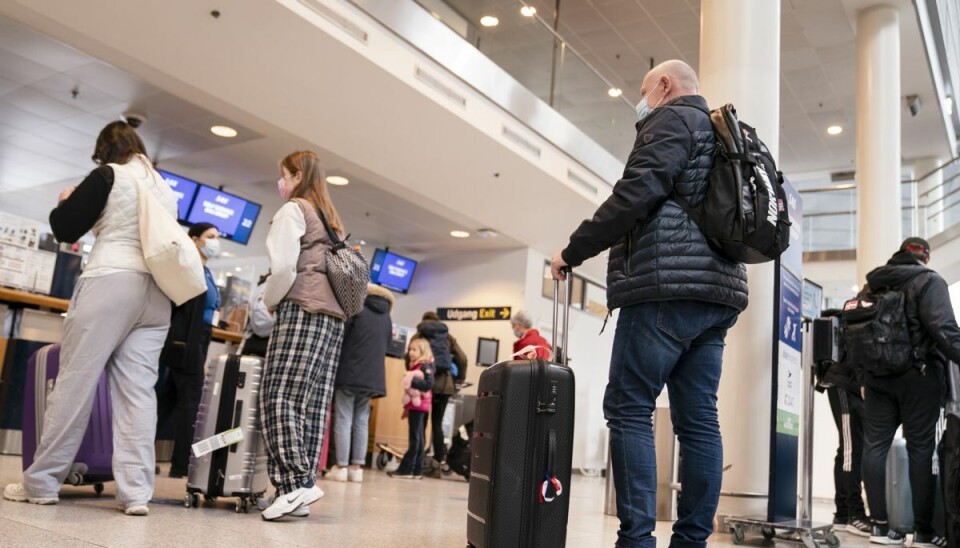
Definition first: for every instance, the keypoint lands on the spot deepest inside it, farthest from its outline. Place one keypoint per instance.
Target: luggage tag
(217, 441)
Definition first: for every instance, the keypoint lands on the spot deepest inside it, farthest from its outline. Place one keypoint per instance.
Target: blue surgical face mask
(643, 108)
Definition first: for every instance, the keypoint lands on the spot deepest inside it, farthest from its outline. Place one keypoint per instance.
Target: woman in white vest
(304, 348)
(118, 319)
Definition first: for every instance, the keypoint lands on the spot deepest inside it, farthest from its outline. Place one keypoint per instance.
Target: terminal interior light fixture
(489, 21)
(459, 233)
(337, 180)
(614, 92)
(835, 130)
(528, 11)
(223, 131)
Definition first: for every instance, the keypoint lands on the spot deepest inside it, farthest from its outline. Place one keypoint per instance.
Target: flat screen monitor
(812, 303)
(487, 351)
(392, 271)
(184, 188)
(232, 215)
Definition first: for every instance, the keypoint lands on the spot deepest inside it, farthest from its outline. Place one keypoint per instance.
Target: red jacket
(533, 338)
(424, 385)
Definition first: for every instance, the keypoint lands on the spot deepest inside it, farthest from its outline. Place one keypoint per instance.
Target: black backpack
(744, 215)
(875, 333)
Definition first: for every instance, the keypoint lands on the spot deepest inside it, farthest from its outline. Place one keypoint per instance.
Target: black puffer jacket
(932, 324)
(365, 345)
(657, 253)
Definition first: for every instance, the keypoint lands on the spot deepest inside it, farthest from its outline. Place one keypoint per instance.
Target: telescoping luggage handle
(560, 352)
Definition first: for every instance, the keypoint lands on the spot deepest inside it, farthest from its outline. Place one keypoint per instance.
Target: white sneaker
(264, 503)
(337, 474)
(356, 476)
(16, 493)
(284, 505)
(135, 510)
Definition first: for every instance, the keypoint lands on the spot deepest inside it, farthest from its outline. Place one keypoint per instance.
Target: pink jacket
(422, 382)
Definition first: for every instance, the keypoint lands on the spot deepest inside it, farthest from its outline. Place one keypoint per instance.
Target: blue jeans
(678, 344)
(352, 411)
(412, 462)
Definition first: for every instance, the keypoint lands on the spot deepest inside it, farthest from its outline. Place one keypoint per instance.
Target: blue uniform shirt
(213, 297)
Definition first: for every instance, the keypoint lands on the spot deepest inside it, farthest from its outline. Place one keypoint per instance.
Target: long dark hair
(118, 143)
(313, 185)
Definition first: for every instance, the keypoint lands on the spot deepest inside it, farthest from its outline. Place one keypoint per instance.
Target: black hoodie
(933, 327)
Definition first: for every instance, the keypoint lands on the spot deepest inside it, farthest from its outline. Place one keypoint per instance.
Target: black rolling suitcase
(522, 448)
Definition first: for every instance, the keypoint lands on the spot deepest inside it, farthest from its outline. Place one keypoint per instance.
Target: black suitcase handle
(560, 352)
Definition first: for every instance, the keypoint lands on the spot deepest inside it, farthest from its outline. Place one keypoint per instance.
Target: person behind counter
(185, 353)
(117, 321)
(304, 348)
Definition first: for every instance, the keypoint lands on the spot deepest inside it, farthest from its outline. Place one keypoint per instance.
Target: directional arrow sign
(475, 314)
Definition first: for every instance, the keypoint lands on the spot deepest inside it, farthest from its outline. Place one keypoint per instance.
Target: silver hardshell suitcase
(230, 401)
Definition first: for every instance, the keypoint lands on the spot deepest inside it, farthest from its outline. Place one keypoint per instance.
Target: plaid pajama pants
(298, 377)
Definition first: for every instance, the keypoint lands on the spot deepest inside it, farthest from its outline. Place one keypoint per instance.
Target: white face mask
(211, 248)
(643, 108)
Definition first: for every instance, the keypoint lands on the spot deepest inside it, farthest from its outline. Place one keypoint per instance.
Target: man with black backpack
(678, 297)
(901, 331)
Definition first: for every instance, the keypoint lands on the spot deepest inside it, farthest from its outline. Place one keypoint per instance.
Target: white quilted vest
(117, 247)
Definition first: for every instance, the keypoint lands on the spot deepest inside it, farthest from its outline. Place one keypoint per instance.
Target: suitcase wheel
(243, 506)
(191, 500)
(832, 540)
(98, 488)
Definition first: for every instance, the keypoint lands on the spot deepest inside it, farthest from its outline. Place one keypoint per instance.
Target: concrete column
(878, 137)
(740, 64)
(930, 196)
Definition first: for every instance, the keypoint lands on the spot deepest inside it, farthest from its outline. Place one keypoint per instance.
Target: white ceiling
(621, 38)
(47, 138)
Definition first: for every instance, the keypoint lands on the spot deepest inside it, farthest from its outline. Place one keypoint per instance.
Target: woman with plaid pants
(304, 348)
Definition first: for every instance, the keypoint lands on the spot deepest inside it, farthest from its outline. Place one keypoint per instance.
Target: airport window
(579, 285)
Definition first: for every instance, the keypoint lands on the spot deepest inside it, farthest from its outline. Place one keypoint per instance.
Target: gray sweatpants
(118, 322)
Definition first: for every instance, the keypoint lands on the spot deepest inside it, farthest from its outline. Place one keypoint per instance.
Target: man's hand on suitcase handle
(559, 268)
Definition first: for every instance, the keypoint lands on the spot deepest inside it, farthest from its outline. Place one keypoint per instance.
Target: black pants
(178, 400)
(848, 416)
(412, 462)
(437, 410)
(913, 400)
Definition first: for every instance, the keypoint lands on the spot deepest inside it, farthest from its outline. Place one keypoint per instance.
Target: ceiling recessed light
(223, 131)
(528, 11)
(459, 233)
(489, 21)
(226, 254)
(238, 269)
(948, 105)
(337, 180)
(834, 130)
(614, 92)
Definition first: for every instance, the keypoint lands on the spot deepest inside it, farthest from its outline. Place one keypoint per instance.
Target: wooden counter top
(15, 296)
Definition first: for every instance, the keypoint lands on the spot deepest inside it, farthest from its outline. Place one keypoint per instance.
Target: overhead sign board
(474, 314)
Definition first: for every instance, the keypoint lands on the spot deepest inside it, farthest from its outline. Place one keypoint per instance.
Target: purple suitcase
(93, 463)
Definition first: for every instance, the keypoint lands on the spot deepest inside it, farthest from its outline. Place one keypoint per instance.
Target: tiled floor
(380, 512)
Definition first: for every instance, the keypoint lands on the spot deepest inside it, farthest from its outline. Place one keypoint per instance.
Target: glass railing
(527, 49)
(930, 205)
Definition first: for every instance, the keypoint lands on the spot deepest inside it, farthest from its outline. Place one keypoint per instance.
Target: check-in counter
(30, 321)
(386, 424)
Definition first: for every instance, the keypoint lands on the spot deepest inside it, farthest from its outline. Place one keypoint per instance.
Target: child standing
(419, 377)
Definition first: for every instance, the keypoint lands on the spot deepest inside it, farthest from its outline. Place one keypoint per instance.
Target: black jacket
(365, 345)
(187, 340)
(657, 253)
(933, 327)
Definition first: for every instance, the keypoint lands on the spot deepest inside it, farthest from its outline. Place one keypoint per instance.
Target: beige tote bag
(170, 254)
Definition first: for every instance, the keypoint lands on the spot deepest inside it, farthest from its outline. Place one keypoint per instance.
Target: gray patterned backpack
(347, 271)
